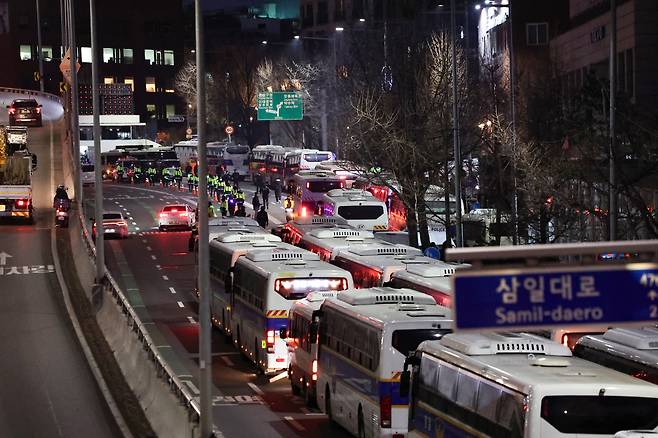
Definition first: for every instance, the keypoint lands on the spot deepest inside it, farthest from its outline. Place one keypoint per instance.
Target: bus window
(360, 212)
(323, 186)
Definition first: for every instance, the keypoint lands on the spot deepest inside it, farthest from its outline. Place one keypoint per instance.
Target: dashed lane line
(256, 389)
(180, 304)
(172, 290)
(148, 248)
(294, 423)
(153, 257)
(165, 278)
(191, 320)
(144, 240)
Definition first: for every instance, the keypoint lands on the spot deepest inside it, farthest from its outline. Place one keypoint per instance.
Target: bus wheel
(256, 355)
(308, 395)
(327, 404)
(362, 427)
(295, 389)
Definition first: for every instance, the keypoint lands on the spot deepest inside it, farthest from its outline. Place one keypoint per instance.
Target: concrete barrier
(168, 403)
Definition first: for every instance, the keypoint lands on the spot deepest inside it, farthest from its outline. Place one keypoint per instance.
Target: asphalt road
(47, 387)
(157, 271)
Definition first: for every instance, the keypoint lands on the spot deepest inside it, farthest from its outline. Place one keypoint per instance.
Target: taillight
(304, 212)
(12, 110)
(183, 214)
(22, 203)
(163, 214)
(269, 340)
(385, 406)
(262, 169)
(315, 369)
(565, 340)
(38, 110)
(308, 185)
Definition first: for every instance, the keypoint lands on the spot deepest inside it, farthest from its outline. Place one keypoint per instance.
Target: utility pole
(205, 358)
(512, 84)
(39, 47)
(455, 134)
(98, 165)
(75, 128)
(612, 215)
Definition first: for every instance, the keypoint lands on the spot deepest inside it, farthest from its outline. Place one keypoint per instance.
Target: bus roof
(311, 303)
(633, 344)
(246, 236)
(380, 305)
(433, 274)
(523, 362)
(306, 175)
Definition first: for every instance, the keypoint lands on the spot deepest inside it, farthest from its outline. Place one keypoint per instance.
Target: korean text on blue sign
(529, 299)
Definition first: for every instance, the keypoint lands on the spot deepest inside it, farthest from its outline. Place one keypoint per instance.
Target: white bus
(302, 342)
(631, 351)
(358, 207)
(343, 169)
(365, 336)
(225, 249)
(327, 242)
(372, 264)
(431, 278)
(308, 188)
(293, 231)
(517, 385)
(260, 159)
(308, 159)
(236, 159)
(266, 283)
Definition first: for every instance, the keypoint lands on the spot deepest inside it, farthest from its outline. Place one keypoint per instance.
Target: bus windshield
(439, 206)
(360, 212)
(237, 149)
(298, 288)
(407, 341)
(317, 157)
(586, 414)
(323, 186)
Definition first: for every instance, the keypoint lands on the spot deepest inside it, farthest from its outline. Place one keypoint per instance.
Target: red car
(25, 112)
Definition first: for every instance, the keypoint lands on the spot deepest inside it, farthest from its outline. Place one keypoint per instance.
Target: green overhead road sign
(280, 106)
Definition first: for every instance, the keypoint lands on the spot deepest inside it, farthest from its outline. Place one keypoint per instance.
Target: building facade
(139, 44)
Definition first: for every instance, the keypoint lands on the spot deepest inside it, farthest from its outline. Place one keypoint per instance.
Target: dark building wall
(122, 24)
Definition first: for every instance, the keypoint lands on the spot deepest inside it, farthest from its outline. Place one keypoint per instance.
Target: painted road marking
(180, 304)
(120, 205)
(227, 361)
(3, 258)
(144, 240)
(165, 278)
(26, 270)
(153, 257)
(256, 389)
(137, 228)
(158, 267)
(191, 320)
(172, 290)
(134, 223)
(192, 387)
(279, 376)
(236, 400)
(148, 248)
(294, 423)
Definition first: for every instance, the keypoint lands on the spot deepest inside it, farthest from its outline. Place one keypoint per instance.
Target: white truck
(15, 181)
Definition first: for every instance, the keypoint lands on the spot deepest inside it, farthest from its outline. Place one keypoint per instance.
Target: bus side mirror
(283, 333)
(405, 378)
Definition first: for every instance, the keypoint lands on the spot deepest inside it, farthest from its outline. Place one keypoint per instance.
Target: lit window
(25, 52)
(537, 34)
(108, 55)
(150, 109)
(170, 110)
(85, 53)
(108, 80)
(127, 56)
(131, 82)
(168, 57)
(149, 56)
(47, 53)
(150, 84)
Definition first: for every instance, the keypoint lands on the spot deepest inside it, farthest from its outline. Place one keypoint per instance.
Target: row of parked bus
(363, 328)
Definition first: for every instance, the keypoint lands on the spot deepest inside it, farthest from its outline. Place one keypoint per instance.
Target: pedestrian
(444, 246)
(266, 197)
(277, 190)
(236, 177)
(241, 212)
(223, 206)
(231, 206)
(432, 251)
(258, 182)
(262, 217)
(255, 202)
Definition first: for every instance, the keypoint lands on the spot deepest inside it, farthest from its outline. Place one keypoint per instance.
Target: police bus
(293, 231)
(631, 351)
(327, 242)
(260, 159)
(365, 337)
(225, 249)
(372, 264)
(358, 207)
(236, 159)
(302, 342)
(266, 283)
(308, 188)
(431, 278)
(518, 385)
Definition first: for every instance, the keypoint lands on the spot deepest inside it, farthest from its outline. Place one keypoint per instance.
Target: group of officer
(166, 176)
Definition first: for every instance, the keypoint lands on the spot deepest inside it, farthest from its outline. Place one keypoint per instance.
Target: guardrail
(32, 93)
(176, 386)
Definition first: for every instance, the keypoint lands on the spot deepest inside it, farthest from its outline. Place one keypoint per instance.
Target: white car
(114, 224)
(87, 174)
(176, 216)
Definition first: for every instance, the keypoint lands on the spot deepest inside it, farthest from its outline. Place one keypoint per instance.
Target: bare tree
(185, 85)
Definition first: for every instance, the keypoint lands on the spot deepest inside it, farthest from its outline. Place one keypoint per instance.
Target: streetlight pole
(98, 165)
(75, 128)
(455, 127)
(205, 358)
(512, 84)
(612, 215)
(39, 47)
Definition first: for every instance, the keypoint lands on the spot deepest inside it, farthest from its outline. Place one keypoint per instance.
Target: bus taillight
(315, 370)
(385, 406)
(269, 341)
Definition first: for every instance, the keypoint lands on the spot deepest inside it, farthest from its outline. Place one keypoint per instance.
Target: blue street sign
(559, 296)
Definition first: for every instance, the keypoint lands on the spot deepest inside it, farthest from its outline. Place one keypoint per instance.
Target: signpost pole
(98, 165)
(39, 46)
(75, 121)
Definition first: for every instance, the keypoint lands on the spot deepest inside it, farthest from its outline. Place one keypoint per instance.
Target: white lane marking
(137, 228)
(227, 361)
(256, 389)
(116, 202)
(294, 423)
(165, 278)
(144, 240)
(148, 248)
(172, 290)
(279, 376)
(134, 223)
(158, 267)
(316, 414)
(125, 209)
(180, 304)
(191, 320)
(153, 257)
(120, 205)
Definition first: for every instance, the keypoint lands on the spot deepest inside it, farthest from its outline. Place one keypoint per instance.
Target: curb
(100, 381)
